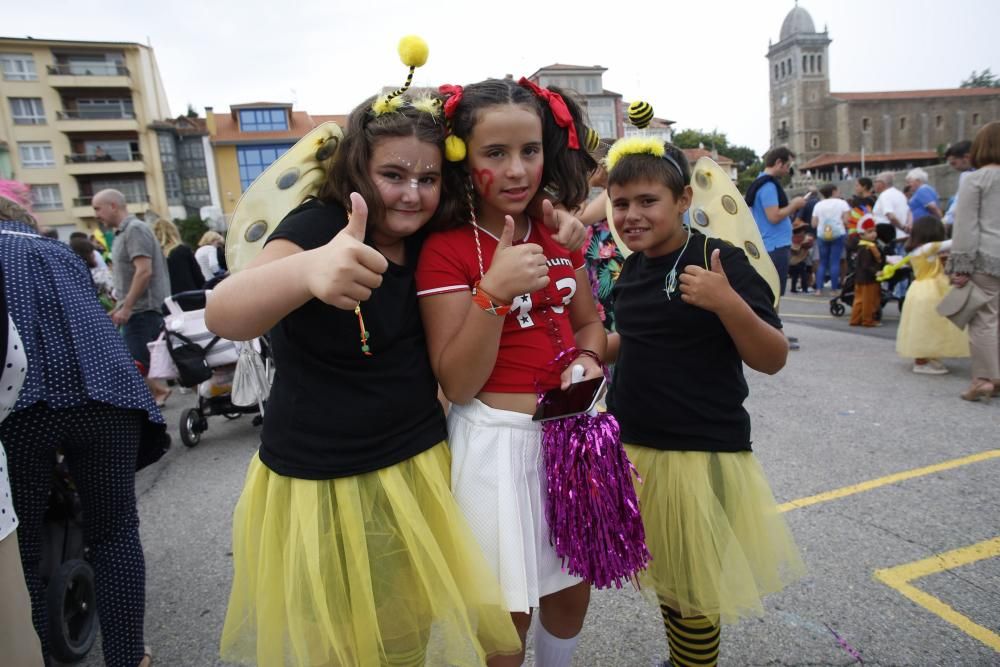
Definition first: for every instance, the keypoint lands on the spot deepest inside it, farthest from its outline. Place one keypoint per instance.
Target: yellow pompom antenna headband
(413, 52)
(639, 114)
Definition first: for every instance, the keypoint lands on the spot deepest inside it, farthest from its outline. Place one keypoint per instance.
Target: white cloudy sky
(700, 63)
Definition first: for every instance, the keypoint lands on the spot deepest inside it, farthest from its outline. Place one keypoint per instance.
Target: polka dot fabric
(74, 352)
(100, 443)
(11, 379)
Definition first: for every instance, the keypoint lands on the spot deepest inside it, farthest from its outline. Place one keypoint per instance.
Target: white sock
(550, 651)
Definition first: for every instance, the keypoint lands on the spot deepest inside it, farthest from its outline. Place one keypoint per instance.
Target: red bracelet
(489, 303)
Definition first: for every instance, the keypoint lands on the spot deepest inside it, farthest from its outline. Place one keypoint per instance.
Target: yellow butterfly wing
(285, 184)
(718, 210)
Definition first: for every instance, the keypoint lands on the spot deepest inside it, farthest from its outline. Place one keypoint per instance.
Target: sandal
(147, 658)
(979, 390)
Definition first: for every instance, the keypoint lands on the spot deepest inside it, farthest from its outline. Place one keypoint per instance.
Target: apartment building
(251, 136)
(77, 117)
(603, 107)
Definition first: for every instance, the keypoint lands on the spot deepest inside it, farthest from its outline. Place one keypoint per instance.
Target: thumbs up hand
(708, 289)
(345, 271)
(515, 269)
(569, 231)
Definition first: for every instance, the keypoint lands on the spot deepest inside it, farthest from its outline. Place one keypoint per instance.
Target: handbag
(961, 304)
(190, 358)
(161, 365)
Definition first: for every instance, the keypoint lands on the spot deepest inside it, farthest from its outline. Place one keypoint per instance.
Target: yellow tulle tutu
(375, 569)
(712, 526)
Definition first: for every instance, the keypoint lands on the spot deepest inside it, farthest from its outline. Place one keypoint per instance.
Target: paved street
(844, 412)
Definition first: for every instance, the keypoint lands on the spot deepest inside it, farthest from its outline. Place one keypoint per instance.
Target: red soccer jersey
(535, 322)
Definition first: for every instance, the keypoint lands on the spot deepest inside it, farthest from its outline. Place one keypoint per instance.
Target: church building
(892, 130)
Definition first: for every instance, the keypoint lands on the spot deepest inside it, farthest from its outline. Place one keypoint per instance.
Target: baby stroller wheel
(72, 608)
(191, 427)
(837, 308)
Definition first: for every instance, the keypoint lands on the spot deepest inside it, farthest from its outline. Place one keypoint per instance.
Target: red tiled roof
(692, 154)
(843, 159)
(340, 120)
(918, 94)
(250, 105)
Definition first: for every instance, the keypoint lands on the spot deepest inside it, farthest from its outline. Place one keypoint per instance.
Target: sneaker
(932, 367)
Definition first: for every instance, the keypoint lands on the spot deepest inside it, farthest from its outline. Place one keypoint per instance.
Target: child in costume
(867, 263)
(923, 334)
(348, 546)
(507, 308)
(691, 311)
(798, 259)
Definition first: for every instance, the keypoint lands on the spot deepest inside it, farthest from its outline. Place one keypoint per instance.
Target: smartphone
(577, 399)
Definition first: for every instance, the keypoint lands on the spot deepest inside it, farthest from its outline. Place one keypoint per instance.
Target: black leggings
(100, 444)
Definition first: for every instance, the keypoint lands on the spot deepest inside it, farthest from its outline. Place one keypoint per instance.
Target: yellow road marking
(901, 576)
(888, 479)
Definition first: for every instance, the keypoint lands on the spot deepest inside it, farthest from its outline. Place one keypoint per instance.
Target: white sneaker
(932, 367)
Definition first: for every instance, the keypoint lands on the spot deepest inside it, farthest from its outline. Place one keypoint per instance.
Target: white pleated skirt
(498, 479)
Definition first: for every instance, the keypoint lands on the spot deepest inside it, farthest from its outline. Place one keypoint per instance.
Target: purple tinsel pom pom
(592, 509)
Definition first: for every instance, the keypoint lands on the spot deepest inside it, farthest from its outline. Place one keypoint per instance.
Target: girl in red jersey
(501, 300)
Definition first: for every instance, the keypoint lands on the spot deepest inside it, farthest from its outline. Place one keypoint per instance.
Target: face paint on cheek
(484, 178)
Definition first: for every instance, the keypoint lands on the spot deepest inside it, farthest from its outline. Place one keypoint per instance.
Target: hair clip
(454, 146)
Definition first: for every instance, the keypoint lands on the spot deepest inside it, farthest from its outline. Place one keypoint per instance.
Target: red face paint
(484, 178)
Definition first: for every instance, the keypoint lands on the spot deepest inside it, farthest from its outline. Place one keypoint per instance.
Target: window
(263, 120)
(46, 197)
(18, 67)
(133, 189)
(593, 85)
(866, 124)
(109, 107)
(36, 154)
(902, 123)
(775, 72)
(111, 148)
(191, 149)
(819, 63)
(253, 160)
(782, 69)
(195, 185)
(805, 63)
(975, 119)
(812, 62)
(168, 157)
(815, 141)
(173, 183)
(938, 122)
(27, 110)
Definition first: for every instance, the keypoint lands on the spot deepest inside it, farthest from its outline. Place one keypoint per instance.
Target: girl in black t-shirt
(348, 546)
(690, 312)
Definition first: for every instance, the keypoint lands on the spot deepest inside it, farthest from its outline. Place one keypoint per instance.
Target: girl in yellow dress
(923, 334)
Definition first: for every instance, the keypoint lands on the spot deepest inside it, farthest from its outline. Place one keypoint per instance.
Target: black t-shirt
(334, 412)
(678, 383)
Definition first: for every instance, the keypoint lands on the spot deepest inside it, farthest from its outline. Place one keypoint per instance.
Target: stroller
(887, 288)
(70, 591)
(208, 362)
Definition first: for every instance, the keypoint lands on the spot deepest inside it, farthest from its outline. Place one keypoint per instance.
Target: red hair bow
(559, 110)
(454, 94)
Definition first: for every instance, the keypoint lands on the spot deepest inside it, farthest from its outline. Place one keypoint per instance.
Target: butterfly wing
(718, 211)
(285, 184)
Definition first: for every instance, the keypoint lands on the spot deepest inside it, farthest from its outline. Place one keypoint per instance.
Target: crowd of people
(819, 239)
(449, 271)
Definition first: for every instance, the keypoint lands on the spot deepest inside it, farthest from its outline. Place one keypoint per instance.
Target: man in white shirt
(891, 207)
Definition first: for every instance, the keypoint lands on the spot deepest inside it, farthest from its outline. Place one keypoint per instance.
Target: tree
(717, 141)
(191, 112)
(984, 79)
(191, 229)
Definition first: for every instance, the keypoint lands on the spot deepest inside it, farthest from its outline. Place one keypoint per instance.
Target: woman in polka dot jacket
(82, 395)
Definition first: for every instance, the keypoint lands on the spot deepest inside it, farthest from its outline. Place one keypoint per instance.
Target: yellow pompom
(634, 146)
(386, 104)
(640, 113)
(454, 148)
(413, 51)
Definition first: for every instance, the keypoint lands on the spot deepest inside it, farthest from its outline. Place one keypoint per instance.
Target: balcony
(134, 203)
(90, 75)
(96, 121)
(79, 164)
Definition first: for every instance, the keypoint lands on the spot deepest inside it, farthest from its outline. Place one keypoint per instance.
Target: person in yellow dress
(924, 335)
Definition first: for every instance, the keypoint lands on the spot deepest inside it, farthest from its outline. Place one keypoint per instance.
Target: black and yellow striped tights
(694, 641)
